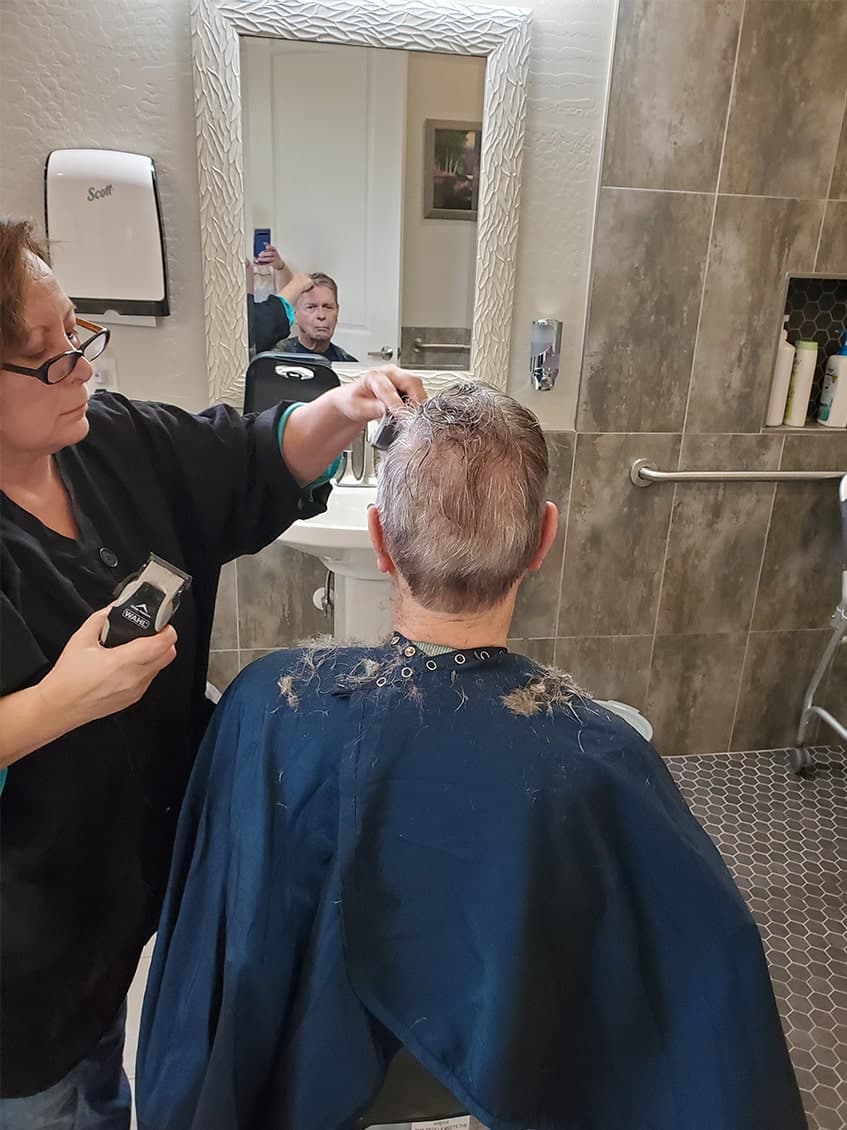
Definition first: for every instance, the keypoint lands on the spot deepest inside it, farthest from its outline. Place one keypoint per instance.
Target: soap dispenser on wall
(545, 351)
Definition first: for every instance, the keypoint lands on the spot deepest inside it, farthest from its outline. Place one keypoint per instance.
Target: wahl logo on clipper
(138, 614)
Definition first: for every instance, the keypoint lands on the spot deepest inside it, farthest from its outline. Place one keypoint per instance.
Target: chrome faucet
(358, 467)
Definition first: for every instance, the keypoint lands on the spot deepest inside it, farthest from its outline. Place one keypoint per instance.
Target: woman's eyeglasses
(61, 366)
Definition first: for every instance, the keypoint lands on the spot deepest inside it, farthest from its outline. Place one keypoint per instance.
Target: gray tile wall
(734, 111)
(755, 243)
(838, 188)
(706, 606)
(670, 85)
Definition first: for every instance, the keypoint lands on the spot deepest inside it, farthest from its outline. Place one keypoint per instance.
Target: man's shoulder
(342, 354)
(546, 702)
(290, 674)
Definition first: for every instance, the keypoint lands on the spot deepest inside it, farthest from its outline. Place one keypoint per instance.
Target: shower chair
(801, 760)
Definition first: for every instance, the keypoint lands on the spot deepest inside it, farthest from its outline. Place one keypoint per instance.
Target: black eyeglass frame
(41, 372)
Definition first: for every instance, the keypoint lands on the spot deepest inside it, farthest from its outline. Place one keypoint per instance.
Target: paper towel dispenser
(104, 226)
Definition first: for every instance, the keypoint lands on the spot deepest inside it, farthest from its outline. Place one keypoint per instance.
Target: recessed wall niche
(817, 311)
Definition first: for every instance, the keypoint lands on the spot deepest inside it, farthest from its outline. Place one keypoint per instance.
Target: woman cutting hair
(98, 741)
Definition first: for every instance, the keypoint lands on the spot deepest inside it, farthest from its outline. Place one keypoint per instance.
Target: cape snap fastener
(381, 681)
(484, 655)
(409, 651)
(460, 659)
(108, 558)
(431, 664)
(407, 672)
(395, 639)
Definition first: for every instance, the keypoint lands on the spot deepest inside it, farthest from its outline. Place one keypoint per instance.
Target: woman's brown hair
(16, 239)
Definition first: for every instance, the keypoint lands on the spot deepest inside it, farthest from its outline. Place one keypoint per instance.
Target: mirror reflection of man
(270, 320)
(316, 311)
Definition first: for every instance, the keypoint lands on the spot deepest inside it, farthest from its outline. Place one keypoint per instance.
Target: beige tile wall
(705, 605)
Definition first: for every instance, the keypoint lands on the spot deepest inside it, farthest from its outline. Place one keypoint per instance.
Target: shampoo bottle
(833, 406)
(800, 388)
(781, 377)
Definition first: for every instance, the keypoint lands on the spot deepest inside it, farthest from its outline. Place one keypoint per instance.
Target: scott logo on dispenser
(106, 239)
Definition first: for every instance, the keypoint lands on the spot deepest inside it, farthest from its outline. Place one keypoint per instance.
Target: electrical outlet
(105, 376)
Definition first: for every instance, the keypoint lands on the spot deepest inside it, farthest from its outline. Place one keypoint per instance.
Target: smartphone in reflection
(261, 238)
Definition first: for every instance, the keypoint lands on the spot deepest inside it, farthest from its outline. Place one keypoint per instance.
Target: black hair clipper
(385, 430)
(145, 602)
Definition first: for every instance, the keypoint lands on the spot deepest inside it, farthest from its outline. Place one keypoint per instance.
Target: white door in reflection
(324, 153)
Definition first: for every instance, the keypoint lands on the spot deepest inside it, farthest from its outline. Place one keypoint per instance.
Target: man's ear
(549, 526)
(383, 561)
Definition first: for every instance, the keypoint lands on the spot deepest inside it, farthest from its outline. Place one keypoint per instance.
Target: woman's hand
(87, 681)
(319, 431)
(90, 681)
(378, 392)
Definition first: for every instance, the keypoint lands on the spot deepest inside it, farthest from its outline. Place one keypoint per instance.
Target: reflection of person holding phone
(271, 320)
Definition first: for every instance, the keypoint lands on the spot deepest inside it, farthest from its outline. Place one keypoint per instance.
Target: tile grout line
(565, 542)
(820, 233)
(739, 632)
(699, 320)
(715, 195)
(709, 192)
(776, 430)
(790, 631)
(598, 191)
(607, 636)
(829, 189)
(755, 602)
(712, 223)
(661, 591)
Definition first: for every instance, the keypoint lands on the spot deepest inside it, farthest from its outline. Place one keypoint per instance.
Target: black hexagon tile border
(785, 842)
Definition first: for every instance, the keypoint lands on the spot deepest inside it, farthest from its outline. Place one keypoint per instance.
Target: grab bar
(643, 473)
(420, 344)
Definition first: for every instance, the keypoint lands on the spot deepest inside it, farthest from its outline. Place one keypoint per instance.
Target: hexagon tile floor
(785, 842)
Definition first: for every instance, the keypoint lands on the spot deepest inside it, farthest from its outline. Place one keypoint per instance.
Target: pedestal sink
(339, 538)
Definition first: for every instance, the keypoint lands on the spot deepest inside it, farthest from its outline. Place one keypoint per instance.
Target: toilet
(629, 714)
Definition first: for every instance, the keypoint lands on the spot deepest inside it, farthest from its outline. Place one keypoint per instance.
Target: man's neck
(458, 630)
(312, 345)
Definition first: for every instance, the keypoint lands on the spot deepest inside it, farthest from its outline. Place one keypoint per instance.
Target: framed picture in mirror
(451, 169)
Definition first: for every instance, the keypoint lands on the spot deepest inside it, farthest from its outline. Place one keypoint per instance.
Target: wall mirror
(378, 143)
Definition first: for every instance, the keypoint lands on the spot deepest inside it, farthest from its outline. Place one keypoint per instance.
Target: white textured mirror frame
(500, 34)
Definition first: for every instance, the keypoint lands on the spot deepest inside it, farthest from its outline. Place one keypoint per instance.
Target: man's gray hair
(461, 495)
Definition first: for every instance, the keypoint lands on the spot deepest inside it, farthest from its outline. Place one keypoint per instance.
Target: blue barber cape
(380, 848)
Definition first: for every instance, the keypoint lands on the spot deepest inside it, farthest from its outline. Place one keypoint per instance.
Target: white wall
(119, 75)
(115, 75)
(438, 255)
